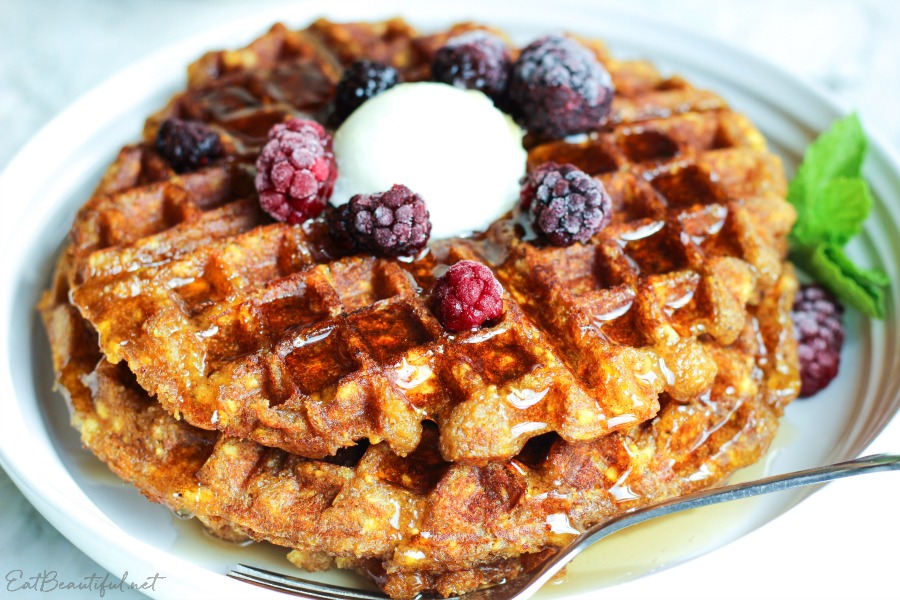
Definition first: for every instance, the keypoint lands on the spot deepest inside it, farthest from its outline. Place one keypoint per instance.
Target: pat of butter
(451, 146)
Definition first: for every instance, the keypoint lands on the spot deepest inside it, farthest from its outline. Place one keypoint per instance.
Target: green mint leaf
(832, 201)
(836, 153)
(836, 214)
(863, 289)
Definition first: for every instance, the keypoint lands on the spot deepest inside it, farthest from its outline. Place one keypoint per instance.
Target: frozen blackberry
(566, 204)
(557, 87)
(295, 171)
(476, 60)
(392, 223)
(338, 220)
(820, 334)
(362, 80)
(466, 296)
(187, 145)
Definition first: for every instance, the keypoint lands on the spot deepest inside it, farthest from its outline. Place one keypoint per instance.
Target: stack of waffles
(246, 372)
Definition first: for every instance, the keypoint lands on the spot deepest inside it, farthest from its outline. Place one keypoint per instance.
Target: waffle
(232, 326)
(300, 396)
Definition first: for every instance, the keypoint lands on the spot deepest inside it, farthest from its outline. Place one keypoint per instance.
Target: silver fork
(527, 585)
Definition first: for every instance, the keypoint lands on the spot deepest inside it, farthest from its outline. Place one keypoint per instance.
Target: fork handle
(777, 483)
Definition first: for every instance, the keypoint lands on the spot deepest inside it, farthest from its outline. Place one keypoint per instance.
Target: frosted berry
(392, 223)
(466, 296)
(820, 334)
(362, 80)
(187, 145)
(558, 87)
(476, 60)
(295, 171)
(566, 204)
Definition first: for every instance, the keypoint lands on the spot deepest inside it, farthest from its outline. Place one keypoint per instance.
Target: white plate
(42, 188)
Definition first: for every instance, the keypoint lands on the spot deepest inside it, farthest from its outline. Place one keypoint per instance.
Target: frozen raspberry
(466, 296)
(558, 87)
(392, 223)
(820, 334)
(566, 204)
(187, 145)
(295, 171)
(476, 60)
(362, 80)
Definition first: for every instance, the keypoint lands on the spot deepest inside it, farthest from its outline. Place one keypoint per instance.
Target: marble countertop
(53, 51)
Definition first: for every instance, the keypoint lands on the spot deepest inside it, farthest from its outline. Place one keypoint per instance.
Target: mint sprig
(832, 201)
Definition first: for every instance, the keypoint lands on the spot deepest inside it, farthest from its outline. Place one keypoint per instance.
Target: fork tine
(271, 585)
(295, 584)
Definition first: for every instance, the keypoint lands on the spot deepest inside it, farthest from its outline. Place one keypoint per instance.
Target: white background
(51, 52)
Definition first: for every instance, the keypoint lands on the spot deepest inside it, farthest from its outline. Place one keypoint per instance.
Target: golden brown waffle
(654, 360)
(241, 335)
